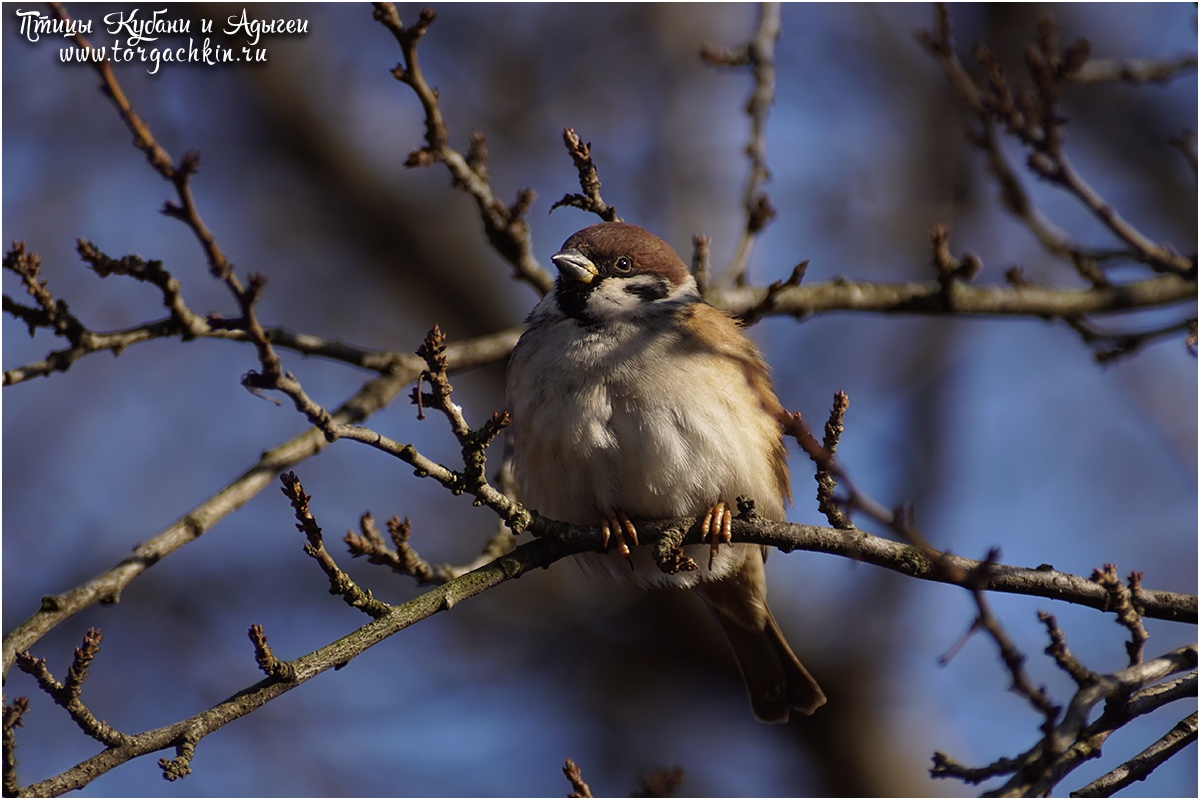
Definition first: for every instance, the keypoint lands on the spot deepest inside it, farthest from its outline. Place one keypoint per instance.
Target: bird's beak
(575, 266)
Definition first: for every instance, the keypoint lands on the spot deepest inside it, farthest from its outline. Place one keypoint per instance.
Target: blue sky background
(1001, 432)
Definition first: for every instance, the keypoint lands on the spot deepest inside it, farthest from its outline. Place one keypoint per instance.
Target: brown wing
(715, 330)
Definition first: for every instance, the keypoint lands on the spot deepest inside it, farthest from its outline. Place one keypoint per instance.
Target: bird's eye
(623, 264)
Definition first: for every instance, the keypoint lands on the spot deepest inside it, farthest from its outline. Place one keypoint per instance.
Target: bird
(631, 398)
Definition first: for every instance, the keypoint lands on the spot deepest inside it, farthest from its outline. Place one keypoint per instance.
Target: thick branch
(906, 559)
(558, 540)
(1145, 762)
(931, 298)
(964, 299)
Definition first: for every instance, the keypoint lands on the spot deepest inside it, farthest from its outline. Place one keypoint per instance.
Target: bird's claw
(618, 527)
(716, 528)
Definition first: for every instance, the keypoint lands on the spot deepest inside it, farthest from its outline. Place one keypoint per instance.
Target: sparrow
(630, 397)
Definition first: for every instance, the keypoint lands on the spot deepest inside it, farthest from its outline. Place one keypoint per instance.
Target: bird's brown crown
(607, 241)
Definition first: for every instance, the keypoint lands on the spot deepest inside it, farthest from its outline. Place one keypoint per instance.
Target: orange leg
(717, 528)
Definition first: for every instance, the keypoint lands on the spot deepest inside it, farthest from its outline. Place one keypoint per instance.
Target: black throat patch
(572, 299)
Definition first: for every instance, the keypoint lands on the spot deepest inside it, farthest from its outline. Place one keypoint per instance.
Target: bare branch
(266, 660)
(1069, 741)
(589, 181)
(1056, 168)
(759, 55)
(1010, 655)
(1110, 347)
(1145, 762)
(857, 544)
(183, 322)
(67, 694)
(557, 540)
(1073, 741)
(767, 304)
(339, 582)
(14, 713)
(826, 480)
(1062, 654)
(1124, 603)
(375, 394)
(581, 789)
(474, 443)
(1133, 70)
(1035, 118)
(505, 226)
(184, 735)
(403, 559)
(968, 299)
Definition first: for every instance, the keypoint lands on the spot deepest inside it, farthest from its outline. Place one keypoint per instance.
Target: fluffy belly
(600, 453)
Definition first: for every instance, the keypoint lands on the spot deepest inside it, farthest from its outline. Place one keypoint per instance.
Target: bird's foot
(716, 528)
(618, 527)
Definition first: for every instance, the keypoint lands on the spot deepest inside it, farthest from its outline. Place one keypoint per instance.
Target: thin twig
(401, 558)
(14, 714)
(67, 694)
(826, 480)
(1061, 653)
(589, 180)
(266, 660)
(182, 322)
(1129, 693)
(505, 225)
(339, 582)
(1035, 118)
(1074, 741)
(372, 396)
(580, 789)
(474, 443)
(759, 55)
(1123, 603)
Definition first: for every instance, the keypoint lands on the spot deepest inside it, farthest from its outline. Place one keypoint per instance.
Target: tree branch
(589, 181)
(1145, 762)
(505, 226)
(188, 732)
(557, 540)
(759, 55)
(1134, 70)
(374, 395)
(965, 299)
(1034, 117)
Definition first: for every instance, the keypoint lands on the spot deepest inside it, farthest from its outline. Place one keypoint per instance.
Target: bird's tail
(775, 679)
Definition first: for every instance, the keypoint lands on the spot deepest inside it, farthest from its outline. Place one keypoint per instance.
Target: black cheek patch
(649, 290)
